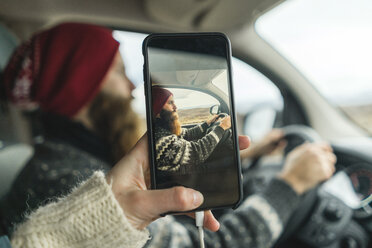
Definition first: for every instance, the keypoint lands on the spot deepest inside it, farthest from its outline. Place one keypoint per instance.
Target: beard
(170, 121)
(115, 121)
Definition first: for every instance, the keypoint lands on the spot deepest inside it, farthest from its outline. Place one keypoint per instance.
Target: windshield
(330, 43)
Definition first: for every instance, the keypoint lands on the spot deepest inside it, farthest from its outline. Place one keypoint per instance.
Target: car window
(257, 99)
(131, 52)
(192, 105)
(330, 43)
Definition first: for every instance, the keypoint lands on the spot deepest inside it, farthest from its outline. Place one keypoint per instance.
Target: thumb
(173, 199)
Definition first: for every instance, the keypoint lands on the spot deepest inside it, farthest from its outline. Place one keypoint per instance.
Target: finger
(141, 145)
(176, 199)
(329, 170)
(276, 134)
(328, 166)
(140, 152)
(282, 144)
(332, 158)
(331, 162)
(333, 167)
(244, 142)
(325, 146)
(210, 222)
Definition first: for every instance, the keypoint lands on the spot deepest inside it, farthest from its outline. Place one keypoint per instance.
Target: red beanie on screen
(60, 69)
(159, 97)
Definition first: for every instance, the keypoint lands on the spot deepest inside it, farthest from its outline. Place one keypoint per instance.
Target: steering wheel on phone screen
(226, 135)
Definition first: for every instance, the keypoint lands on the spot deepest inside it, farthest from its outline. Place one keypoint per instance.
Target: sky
(329, 41)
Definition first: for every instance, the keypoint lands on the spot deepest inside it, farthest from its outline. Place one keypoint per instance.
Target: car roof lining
(155, 15)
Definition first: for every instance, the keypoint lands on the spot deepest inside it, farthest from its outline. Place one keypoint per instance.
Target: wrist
(121, 198)
(115, 189)
(297, 185)
(224, 127)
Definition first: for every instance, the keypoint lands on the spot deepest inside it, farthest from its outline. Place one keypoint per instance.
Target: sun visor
(206, 15)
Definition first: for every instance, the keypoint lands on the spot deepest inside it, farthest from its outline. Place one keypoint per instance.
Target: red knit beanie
(159, 97)
(60, 69)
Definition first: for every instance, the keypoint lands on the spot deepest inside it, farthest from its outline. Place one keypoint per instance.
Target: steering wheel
(226, 135)
(296, 135)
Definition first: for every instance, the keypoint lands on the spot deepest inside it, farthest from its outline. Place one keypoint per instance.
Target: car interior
(271, 90)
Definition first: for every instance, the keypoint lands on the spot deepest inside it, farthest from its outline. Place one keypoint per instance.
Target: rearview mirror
(259, 122)
(215, 109)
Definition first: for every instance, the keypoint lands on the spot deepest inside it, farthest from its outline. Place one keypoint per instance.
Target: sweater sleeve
(194, 133)
(172, 152)
(88, 217)
(258, 222)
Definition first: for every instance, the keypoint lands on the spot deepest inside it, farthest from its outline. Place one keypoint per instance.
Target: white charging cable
(199, 220)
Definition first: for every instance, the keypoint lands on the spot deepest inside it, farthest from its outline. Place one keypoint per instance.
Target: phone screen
(191, 116)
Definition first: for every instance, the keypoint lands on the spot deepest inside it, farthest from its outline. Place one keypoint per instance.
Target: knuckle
(334, 158)
(180, 197)
(327, 171)
(310, 151)
(306, 148)
(313, 151)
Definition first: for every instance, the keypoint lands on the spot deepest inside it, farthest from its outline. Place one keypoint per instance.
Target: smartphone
(190, 116)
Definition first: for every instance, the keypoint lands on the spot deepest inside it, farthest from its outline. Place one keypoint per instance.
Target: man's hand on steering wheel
(212, 119)
(225, 123)
(308, 165)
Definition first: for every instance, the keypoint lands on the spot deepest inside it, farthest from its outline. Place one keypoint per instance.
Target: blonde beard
(176, 125)
(169, 120)
(115, 121)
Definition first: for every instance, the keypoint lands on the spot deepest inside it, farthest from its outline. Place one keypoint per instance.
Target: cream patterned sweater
(88, 217)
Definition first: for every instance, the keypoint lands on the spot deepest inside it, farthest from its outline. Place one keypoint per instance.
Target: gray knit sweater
(89, 216)
(258, 222)
(183, 153)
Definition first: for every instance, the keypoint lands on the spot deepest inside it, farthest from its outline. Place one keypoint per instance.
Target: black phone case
(148, 97)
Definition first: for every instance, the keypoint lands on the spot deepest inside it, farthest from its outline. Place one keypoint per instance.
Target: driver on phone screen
(178, 149)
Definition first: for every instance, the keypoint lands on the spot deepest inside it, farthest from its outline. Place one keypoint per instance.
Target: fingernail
(198, 198)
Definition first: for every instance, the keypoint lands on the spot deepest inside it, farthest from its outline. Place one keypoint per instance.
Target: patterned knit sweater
(257, 223)
(190, 149)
